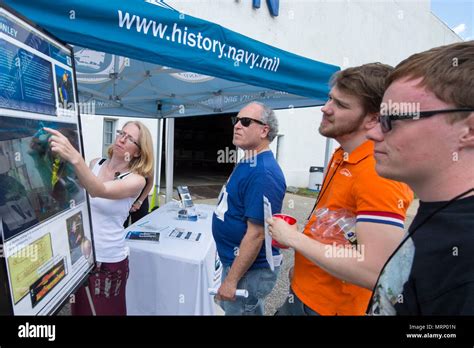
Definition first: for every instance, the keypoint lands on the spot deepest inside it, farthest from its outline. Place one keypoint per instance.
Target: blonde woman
(113, 185)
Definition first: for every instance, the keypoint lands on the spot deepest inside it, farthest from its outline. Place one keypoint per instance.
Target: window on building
(109, 135)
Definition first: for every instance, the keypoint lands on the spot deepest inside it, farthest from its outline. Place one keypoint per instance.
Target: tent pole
(327, 152)
(159, 159)
(169, 158)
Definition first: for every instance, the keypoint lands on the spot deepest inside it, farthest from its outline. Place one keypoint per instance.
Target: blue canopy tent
(163, 46)
(126, 87)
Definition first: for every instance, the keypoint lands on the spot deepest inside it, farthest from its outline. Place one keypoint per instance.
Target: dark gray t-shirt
(432, 273)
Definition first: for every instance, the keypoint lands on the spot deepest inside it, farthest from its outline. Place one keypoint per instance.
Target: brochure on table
(44, 212)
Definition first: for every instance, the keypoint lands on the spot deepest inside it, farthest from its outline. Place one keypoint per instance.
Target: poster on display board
(45, 229)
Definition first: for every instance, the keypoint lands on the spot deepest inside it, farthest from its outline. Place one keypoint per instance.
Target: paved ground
(297, 206)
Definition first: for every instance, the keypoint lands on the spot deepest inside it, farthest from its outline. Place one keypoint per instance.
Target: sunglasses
(128, 137)
(245, 121)
(386, 120)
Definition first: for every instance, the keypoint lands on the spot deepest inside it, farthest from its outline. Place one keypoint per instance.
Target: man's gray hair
(269, 118)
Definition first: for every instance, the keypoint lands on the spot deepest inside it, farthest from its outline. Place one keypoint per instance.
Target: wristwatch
(139, 201)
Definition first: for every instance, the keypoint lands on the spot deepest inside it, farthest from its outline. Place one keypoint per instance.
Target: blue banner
(142, 30)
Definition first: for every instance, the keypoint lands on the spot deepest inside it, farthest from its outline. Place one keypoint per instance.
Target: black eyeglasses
(128, 137)
(245, 121)
(386, 120)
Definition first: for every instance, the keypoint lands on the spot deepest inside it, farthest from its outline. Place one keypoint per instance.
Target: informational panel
(44, 214)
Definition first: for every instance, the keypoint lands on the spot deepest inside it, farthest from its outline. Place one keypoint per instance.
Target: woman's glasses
(128, 137)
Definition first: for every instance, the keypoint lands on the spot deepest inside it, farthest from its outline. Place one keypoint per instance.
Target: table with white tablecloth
(172, 277)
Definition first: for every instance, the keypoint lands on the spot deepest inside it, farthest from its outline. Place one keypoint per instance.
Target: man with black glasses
(431, 148)
(238, 222)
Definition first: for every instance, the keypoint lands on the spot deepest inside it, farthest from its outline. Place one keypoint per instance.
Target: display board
(45, 228)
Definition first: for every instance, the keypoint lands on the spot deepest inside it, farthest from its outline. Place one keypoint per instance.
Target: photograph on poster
(40, 288)
(75, 232)
(64, 88)
(86, 248)
(35, 183)
(24, 263)
(16, 210)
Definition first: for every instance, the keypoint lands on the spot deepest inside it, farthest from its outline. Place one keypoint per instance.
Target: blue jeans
(259, 283)
(294, 306)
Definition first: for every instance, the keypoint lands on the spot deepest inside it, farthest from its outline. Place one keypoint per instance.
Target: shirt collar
(361, 152)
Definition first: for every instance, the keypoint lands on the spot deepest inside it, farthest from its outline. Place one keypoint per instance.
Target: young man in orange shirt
(333, 273)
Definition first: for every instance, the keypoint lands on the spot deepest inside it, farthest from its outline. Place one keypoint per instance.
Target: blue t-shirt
(241, 199)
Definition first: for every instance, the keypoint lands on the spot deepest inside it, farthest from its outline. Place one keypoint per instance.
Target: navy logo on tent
(91, 62)
(191, 77)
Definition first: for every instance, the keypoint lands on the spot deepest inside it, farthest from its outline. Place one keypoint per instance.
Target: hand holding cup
(280, 227)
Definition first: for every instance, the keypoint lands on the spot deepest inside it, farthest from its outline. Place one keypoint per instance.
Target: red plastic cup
(288, 219)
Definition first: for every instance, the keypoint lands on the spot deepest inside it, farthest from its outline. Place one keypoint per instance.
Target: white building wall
(340, 32)
(301, 146)
(92, 136)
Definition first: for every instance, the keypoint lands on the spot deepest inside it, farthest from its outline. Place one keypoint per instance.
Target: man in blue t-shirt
(238, 222)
